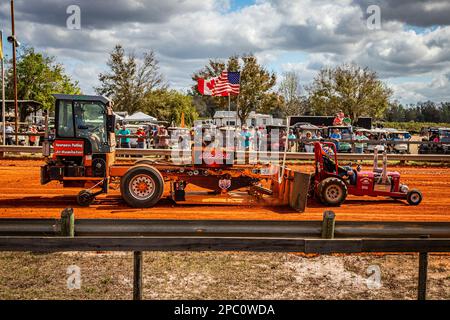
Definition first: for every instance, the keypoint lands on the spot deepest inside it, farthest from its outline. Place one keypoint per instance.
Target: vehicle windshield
(444, 135)
(398, 136)
(90, 123)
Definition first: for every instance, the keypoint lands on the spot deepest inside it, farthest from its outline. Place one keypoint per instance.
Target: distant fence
(249, 236)
(260, 155)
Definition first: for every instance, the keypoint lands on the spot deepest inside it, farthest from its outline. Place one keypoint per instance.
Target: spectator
(359, 147)
(283, 140)
(141, 137)
(124, 140)
(309, 146)
(9, 130)
(246, 137)
(292, 140)
(163, 138)
(339, 119)
(32, 139)
(336, 136)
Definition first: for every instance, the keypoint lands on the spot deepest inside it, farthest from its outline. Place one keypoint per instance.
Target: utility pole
(14, 47)
(3, 90)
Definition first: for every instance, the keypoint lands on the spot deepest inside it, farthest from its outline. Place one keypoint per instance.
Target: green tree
(290, 89)
(128, 82)
(256, 85)
(38, 77)
(350, 88)
(169, 105)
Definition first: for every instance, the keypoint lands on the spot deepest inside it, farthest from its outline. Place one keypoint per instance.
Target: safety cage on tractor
(332, 183)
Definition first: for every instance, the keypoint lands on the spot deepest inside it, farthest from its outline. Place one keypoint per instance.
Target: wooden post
(328, 224)
(67, 223)
(137, 275)
(423, 274)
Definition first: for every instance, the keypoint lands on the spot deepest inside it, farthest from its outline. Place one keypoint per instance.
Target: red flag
(206, 86)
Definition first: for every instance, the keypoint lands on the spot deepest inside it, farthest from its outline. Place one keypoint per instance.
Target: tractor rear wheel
(142, 186)
(414, 197)
(332, 191)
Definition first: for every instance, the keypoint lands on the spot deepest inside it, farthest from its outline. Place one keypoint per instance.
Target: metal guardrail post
(328, 225)
(137, 275)
(67, 223)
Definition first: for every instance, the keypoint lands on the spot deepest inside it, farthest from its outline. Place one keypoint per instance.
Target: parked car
(441, 135)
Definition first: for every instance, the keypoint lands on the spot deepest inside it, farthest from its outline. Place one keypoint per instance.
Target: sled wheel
(85, 198)
(142, 186)
(332, 191)
(414, 197)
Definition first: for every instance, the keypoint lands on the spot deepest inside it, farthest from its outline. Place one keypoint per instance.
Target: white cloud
(185, 34)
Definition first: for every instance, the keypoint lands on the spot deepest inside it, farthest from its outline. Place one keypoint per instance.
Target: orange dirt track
(21, 196)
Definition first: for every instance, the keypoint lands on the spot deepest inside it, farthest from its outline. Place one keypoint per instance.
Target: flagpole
(3, 91)
(229, 104)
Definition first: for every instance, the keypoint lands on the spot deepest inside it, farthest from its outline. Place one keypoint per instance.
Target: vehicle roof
(81, 98)
(393, 130)
(340, 127)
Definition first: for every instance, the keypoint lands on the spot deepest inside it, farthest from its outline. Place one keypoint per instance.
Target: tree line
(135, 83)
(428, 111)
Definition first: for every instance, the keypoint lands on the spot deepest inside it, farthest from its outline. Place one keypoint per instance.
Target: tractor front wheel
(332, 191)
(414, 197)
(142, 186)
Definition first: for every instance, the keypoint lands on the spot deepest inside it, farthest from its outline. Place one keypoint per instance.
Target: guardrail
(251, 236)
(223, 228)
(244, 154)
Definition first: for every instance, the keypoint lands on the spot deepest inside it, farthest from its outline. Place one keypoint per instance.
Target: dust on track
(22, 196)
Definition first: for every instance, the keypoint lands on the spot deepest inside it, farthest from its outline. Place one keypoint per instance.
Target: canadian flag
(206, 86)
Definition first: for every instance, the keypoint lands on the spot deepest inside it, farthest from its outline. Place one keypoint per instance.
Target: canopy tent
(118, 117)
(140, 117)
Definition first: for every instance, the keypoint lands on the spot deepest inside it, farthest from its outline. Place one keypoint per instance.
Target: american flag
(228, 83)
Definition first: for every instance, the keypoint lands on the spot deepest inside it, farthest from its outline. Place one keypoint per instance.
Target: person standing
(245, 136)
(292, 140)
(124, 139)
(336, 136)
(309, 146)
(141, 138)
(32, 139)
(9, 130)
(163, 138)
(359, 146)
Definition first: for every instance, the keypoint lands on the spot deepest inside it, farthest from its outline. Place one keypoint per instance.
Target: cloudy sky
(410, 50)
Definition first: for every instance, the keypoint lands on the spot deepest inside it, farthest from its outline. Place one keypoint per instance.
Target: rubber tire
(325, 184)
(410, 194)
(85, 198)
(154, 174)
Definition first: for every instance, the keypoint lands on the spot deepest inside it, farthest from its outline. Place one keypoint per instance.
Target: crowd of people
(32, 135)
(246, 138)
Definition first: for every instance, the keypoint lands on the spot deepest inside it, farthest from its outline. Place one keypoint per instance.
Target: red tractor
(332, 183)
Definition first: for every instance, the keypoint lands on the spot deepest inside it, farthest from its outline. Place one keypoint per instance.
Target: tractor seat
(330, 166)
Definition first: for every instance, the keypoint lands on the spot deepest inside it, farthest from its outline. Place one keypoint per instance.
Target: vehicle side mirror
(111, 123)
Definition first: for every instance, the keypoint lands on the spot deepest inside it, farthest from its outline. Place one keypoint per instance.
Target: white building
(228, 118)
